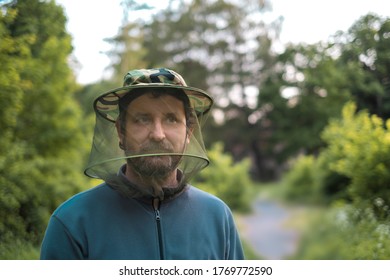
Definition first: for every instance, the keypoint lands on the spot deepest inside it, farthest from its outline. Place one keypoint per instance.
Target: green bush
(345, 233)
(311, 181)
(355, 165)
(359, 149)
(19, 250)
(301, 181)
(228, 180)
(43, 143)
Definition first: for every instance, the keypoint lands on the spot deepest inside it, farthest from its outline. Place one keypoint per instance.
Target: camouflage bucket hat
(107, 104)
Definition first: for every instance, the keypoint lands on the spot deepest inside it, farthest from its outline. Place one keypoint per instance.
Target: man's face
(154, 125)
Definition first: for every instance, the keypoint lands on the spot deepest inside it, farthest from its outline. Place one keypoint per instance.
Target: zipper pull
(156, 207)
(157, 213)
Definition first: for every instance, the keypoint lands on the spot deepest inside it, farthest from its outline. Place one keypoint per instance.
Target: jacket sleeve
(58, 243)
(235, 250)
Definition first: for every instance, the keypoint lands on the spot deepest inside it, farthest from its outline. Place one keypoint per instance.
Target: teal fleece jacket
(102, 224)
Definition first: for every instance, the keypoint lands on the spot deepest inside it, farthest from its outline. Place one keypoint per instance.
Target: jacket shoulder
(88, 199)
(206, 199)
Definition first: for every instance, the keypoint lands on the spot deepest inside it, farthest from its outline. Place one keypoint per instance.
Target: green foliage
(310, 180)
(42, 147)
(322, 77)
(365, 50)
(88, 93)
(303, 181)
(345, 233)
(359, 148)
(228, 180)
(19, 250)
(305, 90)
(354, 166)
(128, 52)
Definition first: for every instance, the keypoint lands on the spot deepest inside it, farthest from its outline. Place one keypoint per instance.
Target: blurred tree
(310, 84)
(86, 94)
(13, 51)
(128, 52)
(306, 88)
(42, 144)
(365, 52)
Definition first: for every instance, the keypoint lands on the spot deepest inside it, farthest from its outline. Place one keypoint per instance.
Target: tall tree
(310, 84)
(128, 51)
(365, 48)
(306, 88)
(42, 152)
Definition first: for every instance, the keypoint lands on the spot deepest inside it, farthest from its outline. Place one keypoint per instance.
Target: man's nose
(157, 132)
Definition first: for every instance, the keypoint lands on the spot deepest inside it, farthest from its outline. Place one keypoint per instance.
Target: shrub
(355, 165)
(359, 149)
(301, 181)
(228, 180)
(18, 250)
(346, 233)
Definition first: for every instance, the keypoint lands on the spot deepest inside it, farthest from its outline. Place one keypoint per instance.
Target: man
(147, 145)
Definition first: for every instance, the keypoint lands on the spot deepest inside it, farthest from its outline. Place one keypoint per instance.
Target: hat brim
(106, 105)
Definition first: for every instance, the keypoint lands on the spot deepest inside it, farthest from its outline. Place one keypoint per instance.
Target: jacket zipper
(156, 207)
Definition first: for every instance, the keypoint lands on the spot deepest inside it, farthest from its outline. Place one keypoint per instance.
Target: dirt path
(266, 231)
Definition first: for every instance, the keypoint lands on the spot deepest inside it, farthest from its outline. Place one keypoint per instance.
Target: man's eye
(142, 119)
(171, 119)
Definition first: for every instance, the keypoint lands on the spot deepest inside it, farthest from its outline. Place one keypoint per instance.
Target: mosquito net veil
(150, 127)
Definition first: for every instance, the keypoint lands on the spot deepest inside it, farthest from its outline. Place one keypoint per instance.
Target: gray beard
(153, 168)
(155, 171)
